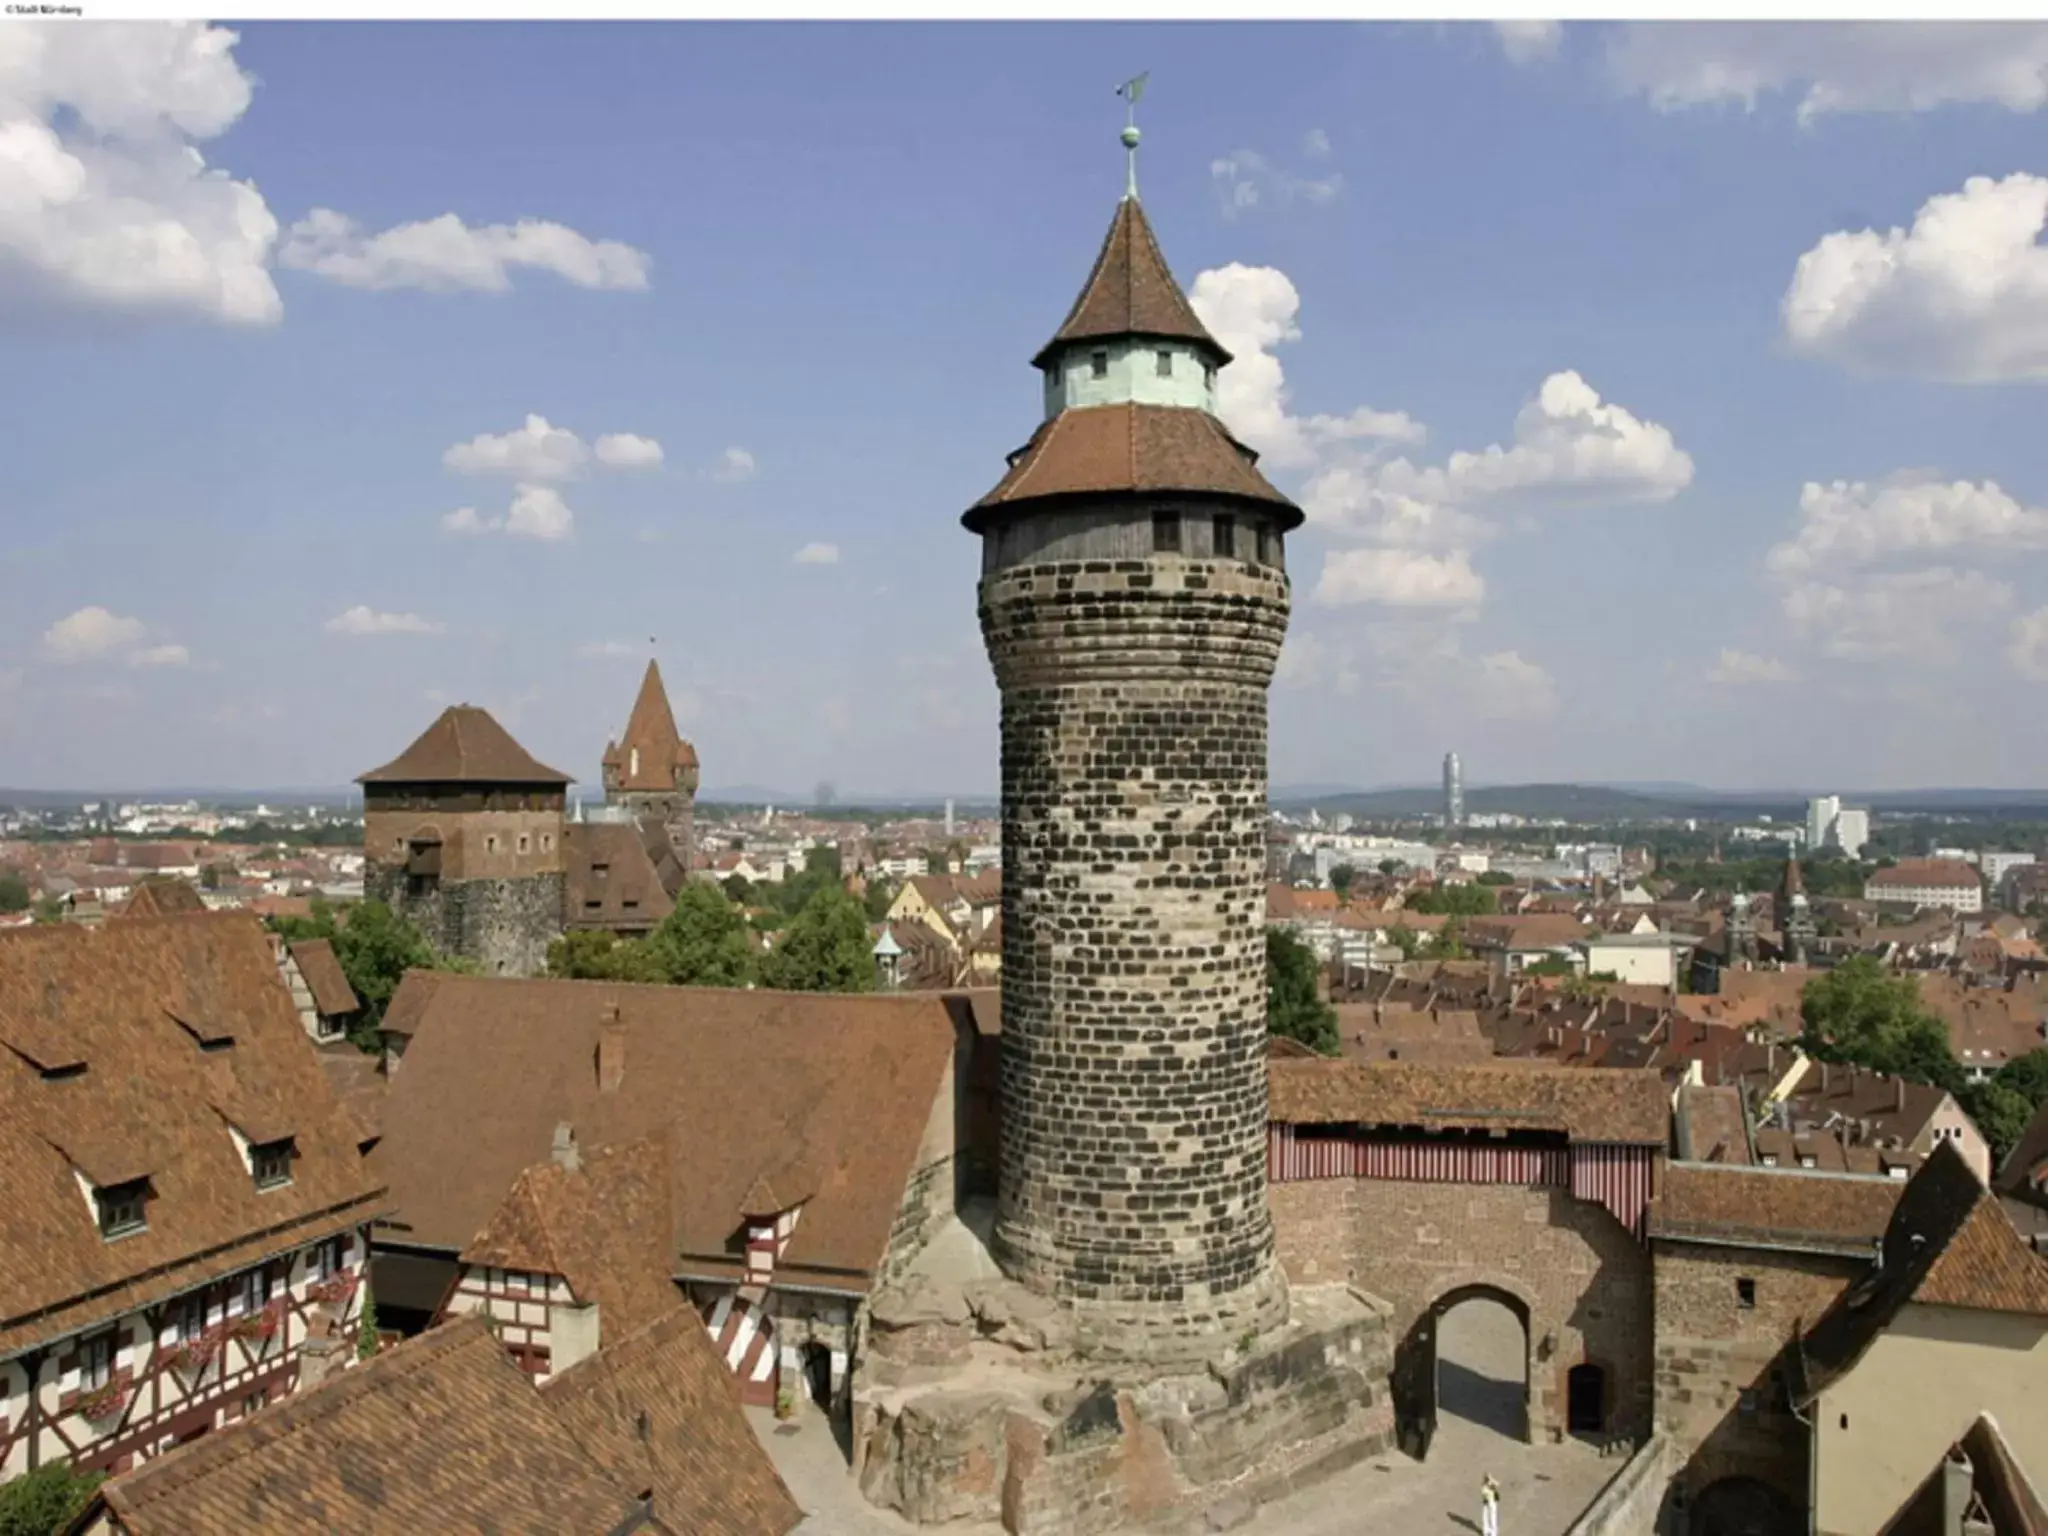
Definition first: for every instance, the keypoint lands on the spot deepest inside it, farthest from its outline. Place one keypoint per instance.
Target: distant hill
(1573, 802)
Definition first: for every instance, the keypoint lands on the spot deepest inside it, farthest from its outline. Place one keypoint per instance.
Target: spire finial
(1131, 91)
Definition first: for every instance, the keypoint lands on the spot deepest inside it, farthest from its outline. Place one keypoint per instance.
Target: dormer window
(1164, 361)
(270, 1163)
(1098, 364)
(122, 1208)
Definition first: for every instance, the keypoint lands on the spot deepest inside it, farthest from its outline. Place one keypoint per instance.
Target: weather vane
(1131, 91)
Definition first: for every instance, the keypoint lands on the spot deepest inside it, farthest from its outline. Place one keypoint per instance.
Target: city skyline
(1654, 469)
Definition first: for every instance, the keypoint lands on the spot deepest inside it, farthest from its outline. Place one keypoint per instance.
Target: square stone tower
(463, 833)
(1133, 600)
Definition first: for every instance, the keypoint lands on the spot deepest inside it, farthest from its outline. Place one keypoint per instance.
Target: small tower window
(524, 841)
(1099, 364)
(1166, 533)
(1165, 362)
(1224, 536)
(490, 844)
(1209, 377)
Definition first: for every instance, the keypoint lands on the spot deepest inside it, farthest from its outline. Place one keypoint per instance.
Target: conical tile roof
(652, 729)
(1131, 292)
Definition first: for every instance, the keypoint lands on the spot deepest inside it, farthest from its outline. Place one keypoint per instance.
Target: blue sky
(811, 264)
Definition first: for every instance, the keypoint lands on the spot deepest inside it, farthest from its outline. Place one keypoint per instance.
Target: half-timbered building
(326, 1004)
(813, 1142)
(183, 1203)
(442, 1433)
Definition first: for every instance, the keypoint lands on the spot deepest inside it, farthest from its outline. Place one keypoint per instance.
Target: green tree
(880, 897)
(1293, 1006)
(825, 948)
(1390, 866)
(366, 1327)
(591, 954)
(209, 877)
(1342, 877)
(49, 910)
(1493, 877)
(1550, 965)
(703, 941)
(1860, 1012)
(2027, 1076)
(1405, 939)
(2001, 1113)
(1449, 943)
(376, 947)
(1455, 900)
(737, 890)
(15, 895)
(45, 1501)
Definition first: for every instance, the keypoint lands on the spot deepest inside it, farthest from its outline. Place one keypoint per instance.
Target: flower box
(261, 1326)
(194, 1355)
(334, 1291)
(103, 1403)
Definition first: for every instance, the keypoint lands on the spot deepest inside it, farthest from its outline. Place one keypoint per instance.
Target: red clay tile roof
(325, 979)
(1774, 1207)
(360, 1084)
(1605, 1105)
(408, 1004)
(603, 1227)
(1925, 872)
(1130, 292)
(160, 896)
(440, 1433)
(652, 729)
(628, 895)
(1949, 1243)
(1112, 449)
(465, 746)
(815, 1091)
(105, 1069)
(697, 1455)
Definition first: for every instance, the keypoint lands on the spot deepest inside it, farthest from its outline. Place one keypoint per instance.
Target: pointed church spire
(652, 750)
(1130, 292)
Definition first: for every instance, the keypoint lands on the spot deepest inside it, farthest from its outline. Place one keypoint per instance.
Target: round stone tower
(1133, 599)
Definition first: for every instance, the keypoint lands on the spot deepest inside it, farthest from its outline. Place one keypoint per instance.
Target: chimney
(565, 1153)
(611, 1050)
(1823, 1077)
(1899, 1094)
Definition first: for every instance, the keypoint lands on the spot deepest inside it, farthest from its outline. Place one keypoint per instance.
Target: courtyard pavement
(1543, 1488)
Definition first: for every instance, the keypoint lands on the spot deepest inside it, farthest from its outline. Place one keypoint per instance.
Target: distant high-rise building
(1454, 791)
(1830, 824)
(1852, 831)
(1821, 812)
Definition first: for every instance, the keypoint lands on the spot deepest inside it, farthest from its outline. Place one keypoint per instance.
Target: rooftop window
(1098, 364)
(1164, 362)
(271, 1163)
(121, 1208)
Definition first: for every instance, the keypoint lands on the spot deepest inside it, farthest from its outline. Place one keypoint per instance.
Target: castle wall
(503, 925)
(1584, 1281)
(1133, 1068)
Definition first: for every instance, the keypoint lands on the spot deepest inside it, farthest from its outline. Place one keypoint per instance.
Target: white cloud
(622, 450)
(1316, 144)
(734, 465)
(1961, 296)
(1251, 310)
(1524, 42)
(1245, 179)
(1568, 441)
(467, 520)
(817, 554)
(446, 255)
(364, 620)
(1834, 67)
(538, 512)
(105, 198)
(2028, 649)
(1737, 669)
(535, 451)
(608, 650)
(1847, 524)
(1906, 615)
(160, 656)
(91, 634)
(1399, 578)
(1506, 685)
(1309, 661)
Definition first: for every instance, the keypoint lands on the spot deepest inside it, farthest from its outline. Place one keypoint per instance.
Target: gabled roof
(440, 1433)
(1949, 1244)
(1615, 1105)
(325, 979)
(126, 1052)
(821, 1093)
(630, 893)
(159, 896)
(1831, 1213)
(658, 1411)
(1130, 292)
(652, 729)
(465, 745)
(1103, 450)
(602, 1226)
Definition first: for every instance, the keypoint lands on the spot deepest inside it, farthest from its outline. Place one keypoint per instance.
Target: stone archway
(1742, 1506)
(1419, 1384)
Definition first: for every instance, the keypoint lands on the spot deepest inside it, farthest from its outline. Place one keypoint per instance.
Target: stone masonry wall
(1584, 1281)
(1134, 823)
(503, 925)
(1721, 1399)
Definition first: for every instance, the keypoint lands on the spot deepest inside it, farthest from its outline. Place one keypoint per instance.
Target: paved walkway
(1543, 1488)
